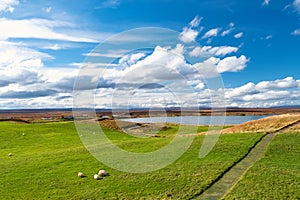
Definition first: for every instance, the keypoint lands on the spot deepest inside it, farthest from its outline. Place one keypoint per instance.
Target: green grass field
(276, 176)
(47, 158)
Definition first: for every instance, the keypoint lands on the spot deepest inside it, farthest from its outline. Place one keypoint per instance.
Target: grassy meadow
(276, 175)
(47, 157)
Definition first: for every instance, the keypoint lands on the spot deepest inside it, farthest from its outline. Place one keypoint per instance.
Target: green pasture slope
(47, 158)
(276, 175)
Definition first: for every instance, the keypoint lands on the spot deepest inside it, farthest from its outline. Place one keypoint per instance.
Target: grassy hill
(269, 124)
(47, 157)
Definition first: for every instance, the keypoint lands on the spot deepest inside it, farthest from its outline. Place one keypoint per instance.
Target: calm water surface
(197, 120)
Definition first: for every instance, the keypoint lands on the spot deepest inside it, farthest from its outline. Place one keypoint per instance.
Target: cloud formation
(265, 91)
(213, 51)
(8, 5)
(38, 29)
(296, 32)
(239, 35)
(109, 4)
(146, 79)
(47, 9)
(145, 73)
(211, 33)
(254, 95)
(189, 34)
(229, 30)
(195, 22)
(232, 64)
(286, 83)
(296, 4)
(20, 64)
(266, 2)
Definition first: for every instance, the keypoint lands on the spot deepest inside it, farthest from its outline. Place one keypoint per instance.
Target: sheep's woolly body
(80, 174)
(102, 173)
(96, 177)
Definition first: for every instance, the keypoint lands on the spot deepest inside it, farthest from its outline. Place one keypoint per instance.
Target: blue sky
(253, 45)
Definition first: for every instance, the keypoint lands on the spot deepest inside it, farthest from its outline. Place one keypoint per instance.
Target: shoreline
(47, 114)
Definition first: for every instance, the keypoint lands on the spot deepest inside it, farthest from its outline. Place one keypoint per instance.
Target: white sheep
(80, 174)
(10, 154)
(102, 172)
(96, 177)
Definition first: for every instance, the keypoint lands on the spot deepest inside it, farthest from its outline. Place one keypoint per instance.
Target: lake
(198, 120)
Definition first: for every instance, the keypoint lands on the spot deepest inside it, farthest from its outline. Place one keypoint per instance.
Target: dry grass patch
(294, 129)
(269, 124)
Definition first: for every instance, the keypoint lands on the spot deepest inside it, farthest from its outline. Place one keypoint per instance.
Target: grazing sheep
(102, 172)
(96, 177)
(23, 134)
(10, 154)
(80, 174)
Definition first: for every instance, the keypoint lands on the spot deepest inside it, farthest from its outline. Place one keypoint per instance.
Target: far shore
(45, 115)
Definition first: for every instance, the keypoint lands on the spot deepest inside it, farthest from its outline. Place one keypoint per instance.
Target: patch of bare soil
(135, 129)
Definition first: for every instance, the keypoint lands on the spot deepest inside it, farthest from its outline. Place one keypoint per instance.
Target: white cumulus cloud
(241, 91)
(288, 82)
(265, 93)
(19, 64)
(268, 95)
(150, 69)
(188, 35)
(129, 60)
(232, 64)
(8, 5)
(208, 68)
(13, 55)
